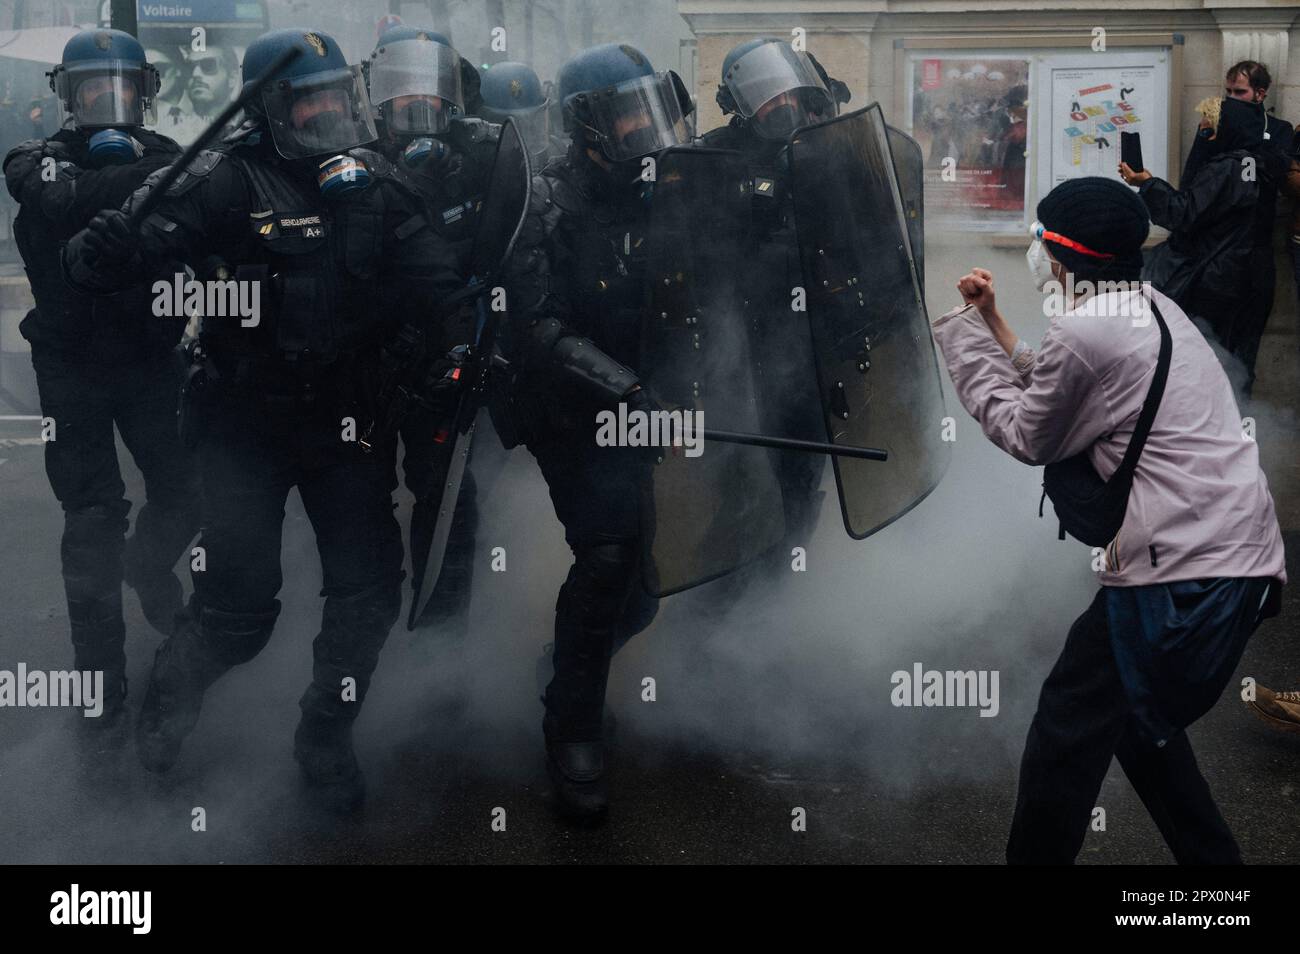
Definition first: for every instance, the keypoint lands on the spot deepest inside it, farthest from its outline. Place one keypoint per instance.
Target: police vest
(317, 263)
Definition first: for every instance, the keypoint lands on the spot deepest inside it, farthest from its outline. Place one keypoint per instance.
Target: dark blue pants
(1084, 718)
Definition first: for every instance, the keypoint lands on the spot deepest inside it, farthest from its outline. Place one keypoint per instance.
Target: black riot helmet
(614, 101)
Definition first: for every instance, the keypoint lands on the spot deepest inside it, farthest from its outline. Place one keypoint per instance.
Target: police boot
(344, 656)
(206, 644)
(588, 612)
(161, 536)
(98, 635)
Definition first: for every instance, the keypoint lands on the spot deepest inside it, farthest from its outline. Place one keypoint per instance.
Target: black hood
(1241, 126)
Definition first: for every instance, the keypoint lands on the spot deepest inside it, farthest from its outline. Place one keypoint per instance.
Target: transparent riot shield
(876, 365)
(702, 516)
(909, 166)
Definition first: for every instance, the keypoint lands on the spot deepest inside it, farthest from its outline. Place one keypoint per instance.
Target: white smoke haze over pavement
(794, 676)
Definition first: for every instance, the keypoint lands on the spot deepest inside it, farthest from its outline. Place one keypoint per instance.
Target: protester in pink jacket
(1197, 561)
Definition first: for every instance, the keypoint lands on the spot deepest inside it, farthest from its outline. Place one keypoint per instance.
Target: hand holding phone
(1130, 150)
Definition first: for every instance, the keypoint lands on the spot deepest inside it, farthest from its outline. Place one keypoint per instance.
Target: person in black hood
(1249, 81)
(1204, 265)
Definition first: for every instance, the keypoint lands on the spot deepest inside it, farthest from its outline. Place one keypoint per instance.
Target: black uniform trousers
(596, 493)
(85, 400)
(253, 449)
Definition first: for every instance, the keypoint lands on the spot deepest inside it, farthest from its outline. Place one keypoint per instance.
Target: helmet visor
(103, 93)
(637, 117)
(417, 85)
(766, 72)
(534, 124)
(786, 112)
(320, 113)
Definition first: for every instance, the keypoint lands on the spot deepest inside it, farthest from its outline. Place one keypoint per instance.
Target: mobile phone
(1130, 150)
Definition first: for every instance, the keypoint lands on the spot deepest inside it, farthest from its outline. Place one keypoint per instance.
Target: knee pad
(360, 619)
(601, 579)
(642, 608)
(234, 638)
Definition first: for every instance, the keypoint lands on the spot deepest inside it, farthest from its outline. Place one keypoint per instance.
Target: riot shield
(876, 364)
(505, 204)
(702, 516)
(909, 166)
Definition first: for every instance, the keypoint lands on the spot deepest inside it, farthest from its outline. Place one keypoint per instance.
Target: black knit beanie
(1101, 214)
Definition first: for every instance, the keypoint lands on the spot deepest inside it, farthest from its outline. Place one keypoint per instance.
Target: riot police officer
(103, 362)
(770, 89)
(512, 91)
(576, 290)
(420, 86)
(334, 245)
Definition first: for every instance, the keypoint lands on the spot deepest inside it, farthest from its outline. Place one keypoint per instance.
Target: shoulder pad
(31, 150)
(152, 140)
(555, 188)
(376, 162)
(150, 182)
(194, 173)
(721, 138)
(543, 214)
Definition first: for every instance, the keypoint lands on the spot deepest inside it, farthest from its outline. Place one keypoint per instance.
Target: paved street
(783, 703)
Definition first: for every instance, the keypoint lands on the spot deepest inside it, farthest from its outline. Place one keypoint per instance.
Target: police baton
(790, 443)
(174, 171)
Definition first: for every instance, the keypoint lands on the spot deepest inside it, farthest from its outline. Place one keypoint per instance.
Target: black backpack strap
(1152, 403)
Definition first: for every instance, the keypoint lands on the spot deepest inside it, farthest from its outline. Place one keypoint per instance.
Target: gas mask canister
(425, 151)
(341, 176)
(112, 147)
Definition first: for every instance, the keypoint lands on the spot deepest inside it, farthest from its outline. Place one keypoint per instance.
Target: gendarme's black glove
(106, 242)
(446, 380)
(640, 399)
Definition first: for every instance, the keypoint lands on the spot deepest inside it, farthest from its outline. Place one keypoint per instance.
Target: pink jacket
(1200, 505)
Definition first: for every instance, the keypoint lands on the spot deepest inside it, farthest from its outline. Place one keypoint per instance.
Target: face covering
(1040, 265)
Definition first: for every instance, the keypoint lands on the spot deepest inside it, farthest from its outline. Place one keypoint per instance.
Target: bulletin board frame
(1045, 52)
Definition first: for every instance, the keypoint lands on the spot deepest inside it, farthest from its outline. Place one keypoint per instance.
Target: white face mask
(1040, 265)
